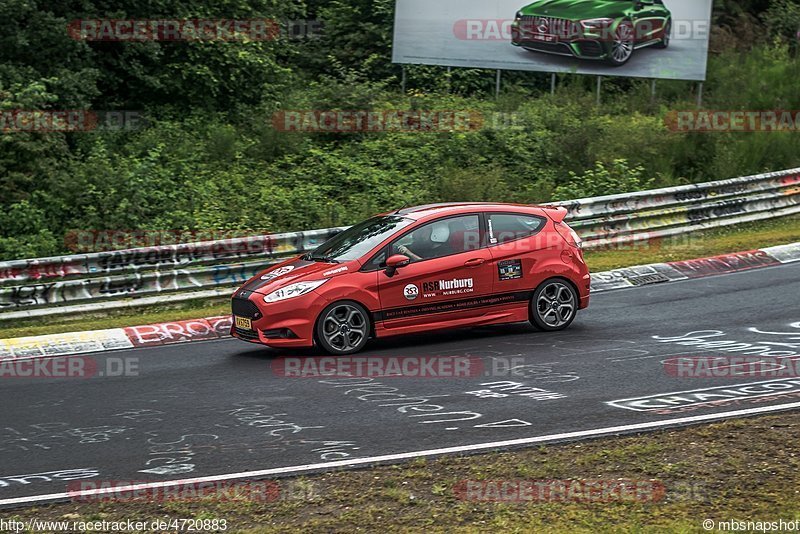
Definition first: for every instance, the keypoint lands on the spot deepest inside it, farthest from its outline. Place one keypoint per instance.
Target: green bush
(605, 179)
(209, 158)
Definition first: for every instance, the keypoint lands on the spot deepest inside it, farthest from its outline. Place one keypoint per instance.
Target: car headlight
(594, 25)
(294, 290)
(518, 15)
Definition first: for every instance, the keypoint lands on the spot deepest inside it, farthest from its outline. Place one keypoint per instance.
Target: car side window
(505, 227)
(440, 238)
(378, 261)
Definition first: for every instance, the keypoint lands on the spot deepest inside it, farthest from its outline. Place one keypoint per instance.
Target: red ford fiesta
(419, 269)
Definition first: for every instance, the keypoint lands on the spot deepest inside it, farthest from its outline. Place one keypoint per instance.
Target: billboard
(665, 39)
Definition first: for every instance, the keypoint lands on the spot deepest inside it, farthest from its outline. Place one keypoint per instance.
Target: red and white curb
(130, 337)
(152, 335)
(698, 268)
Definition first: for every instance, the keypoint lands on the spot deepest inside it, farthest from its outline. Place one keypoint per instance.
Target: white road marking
(404, 456)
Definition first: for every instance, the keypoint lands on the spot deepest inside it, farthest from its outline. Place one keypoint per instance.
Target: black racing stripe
(452, 305)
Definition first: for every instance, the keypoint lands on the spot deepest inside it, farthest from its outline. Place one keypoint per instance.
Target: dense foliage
(208, 156)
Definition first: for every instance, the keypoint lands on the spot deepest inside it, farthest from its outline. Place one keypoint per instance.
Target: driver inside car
(430, 241)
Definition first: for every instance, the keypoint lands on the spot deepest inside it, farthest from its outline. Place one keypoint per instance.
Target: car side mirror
(395, 262)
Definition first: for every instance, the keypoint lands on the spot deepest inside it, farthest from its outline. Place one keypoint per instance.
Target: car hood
(295, 270)
(577, 9)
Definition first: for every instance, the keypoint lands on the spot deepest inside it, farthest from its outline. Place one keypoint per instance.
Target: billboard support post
(403, 80)
(497, 85)
(653, 91)
(448, 78)
(700, 95)
(599, 87)
(552, 83)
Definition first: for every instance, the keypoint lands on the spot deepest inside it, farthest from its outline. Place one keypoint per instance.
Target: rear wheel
(665, 38)
(343, 327)
(554, 305)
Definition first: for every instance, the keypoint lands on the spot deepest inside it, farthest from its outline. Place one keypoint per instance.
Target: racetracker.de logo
(75, 120)
(378, 367)
(549, 491)
(174, 29)
(68, 367)
(331, 121)
(20, 120)
(603, 30)
(224, 241)
(732, 367)
(142, 491)
(738, 121)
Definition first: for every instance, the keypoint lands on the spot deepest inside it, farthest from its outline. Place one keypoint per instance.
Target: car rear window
(505, 227)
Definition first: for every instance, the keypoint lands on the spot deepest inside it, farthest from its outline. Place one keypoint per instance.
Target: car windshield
(357, 240)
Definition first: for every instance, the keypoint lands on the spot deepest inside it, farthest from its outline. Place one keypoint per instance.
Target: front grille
(249, 335)
(562, 28)
(552, 48)
(244, 308)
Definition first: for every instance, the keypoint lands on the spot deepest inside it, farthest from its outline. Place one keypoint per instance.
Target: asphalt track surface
(219, 408)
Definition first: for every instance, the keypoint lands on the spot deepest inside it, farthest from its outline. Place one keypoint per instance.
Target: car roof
(454, 208)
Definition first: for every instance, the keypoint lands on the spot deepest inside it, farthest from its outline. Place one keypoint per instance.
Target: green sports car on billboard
(609, 30)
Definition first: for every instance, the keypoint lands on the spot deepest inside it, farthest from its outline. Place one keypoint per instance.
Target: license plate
(546, 38)
(244, 322)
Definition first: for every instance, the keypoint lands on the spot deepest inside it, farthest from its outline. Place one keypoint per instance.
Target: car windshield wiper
(327, 259)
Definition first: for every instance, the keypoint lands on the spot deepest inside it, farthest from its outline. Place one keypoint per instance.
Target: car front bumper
(577, 47)
(287, 323)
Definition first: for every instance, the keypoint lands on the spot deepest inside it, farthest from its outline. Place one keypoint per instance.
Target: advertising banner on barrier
(665, 39)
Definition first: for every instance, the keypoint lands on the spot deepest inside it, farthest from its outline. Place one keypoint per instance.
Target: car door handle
(474, 262)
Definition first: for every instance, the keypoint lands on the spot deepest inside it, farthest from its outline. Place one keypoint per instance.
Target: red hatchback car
(420, 269)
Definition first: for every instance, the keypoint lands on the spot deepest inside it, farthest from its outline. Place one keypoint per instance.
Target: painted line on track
(390, 458)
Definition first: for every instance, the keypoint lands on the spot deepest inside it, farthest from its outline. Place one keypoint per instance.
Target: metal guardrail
(675, 210)
(128, 278)
(107, 280)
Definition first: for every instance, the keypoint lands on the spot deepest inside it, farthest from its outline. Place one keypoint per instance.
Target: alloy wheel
(344, 327)
(556, 304)
(622, 47)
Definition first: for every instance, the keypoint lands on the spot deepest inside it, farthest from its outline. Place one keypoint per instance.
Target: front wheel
(622, 46)
(554, 305)
(343, 328)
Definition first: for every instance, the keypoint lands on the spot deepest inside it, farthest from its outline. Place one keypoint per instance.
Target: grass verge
(735, 238)
(746, 469)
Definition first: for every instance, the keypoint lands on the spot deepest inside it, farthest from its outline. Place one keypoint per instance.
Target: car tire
(664, 43)
(621, 48)
(343, 327)
(554, 305)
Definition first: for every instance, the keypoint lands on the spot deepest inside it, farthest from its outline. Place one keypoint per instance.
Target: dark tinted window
(504, 227)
